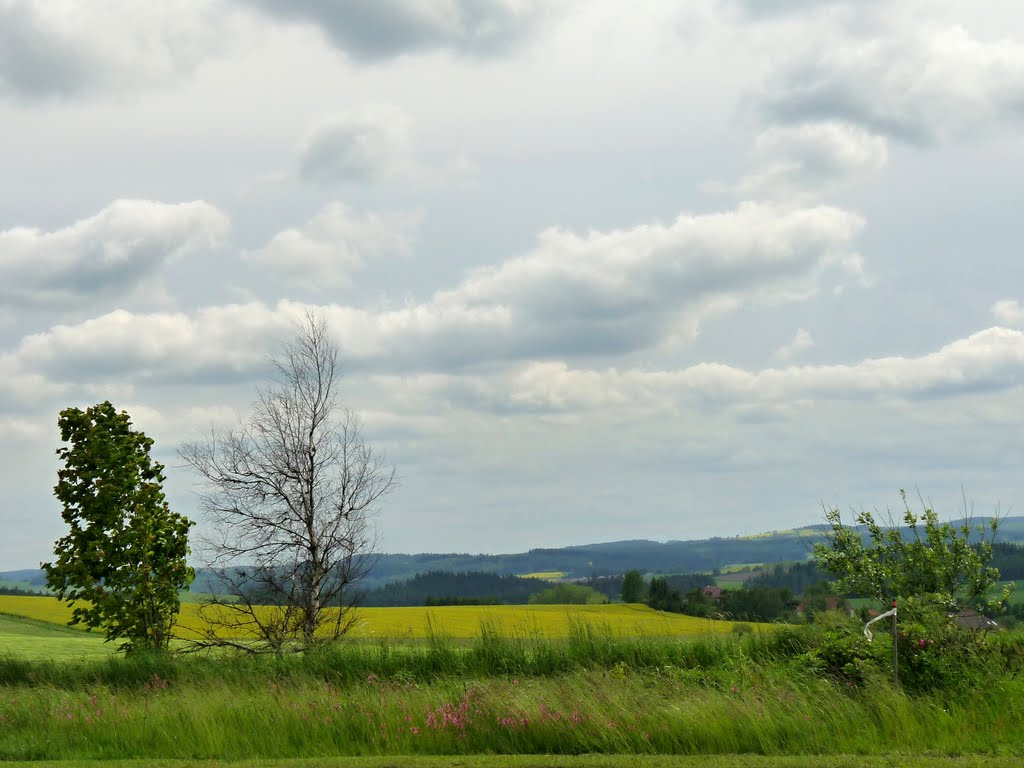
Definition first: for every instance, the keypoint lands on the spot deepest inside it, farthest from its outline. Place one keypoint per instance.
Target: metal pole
(895, 649)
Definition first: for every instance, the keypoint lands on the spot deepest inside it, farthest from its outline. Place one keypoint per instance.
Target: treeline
(1007, 558)
(693, 596)
(19, 592)
(449, 588)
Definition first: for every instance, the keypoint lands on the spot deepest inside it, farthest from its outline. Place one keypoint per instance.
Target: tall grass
(594, 692)
(492, 652)
(626, 712)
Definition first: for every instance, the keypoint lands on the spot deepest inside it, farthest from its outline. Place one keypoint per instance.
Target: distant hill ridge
(581, 561)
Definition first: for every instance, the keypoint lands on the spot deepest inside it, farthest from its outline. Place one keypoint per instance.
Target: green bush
(845, 654)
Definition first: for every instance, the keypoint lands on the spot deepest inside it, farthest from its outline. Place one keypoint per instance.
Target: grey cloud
(763, 9)
(929, 86)
(991, 360)
(621, 291)
(381, 29)
(63, 50)
(33, 63)
(106, 254)
(363, 145)
(593, 295)
(335, 243)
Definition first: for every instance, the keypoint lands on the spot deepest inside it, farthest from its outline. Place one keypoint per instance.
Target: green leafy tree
(123, 562)
(634, 589)
(924, 559)
(662, 596)
(568, 594)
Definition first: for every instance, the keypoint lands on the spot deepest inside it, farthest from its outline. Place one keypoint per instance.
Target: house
(712, 592)
(968, 618)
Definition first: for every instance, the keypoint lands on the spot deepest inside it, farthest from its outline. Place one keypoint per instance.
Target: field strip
(562, 761)
(456, 621)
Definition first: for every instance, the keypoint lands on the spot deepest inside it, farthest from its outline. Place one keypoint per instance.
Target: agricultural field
(43, 640)
(544, 575)
(461, 622)
(710, 700)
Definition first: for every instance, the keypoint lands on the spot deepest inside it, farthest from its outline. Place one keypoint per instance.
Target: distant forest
(402, 579)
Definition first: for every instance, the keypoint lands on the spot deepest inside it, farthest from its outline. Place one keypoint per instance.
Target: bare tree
(289, 495)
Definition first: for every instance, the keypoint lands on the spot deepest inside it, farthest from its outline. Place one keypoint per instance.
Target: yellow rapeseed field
(456, 621)
(544, 575)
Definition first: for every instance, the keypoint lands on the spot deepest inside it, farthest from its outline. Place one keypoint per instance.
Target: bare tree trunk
(290, 496)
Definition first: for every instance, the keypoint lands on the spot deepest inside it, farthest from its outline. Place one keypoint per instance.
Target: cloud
(1008, 312)
(380, 29)
(364, 145)
(624, 290)
(990, 360)
(370, 144)
(335, 243)
(933, 85)
(796, 159)
(107, 254)
(50, 49)
(218, 342)
(764, 9)
(802, 340)
(599, 294)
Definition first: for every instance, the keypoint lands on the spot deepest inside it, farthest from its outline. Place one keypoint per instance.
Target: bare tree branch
(290, 496)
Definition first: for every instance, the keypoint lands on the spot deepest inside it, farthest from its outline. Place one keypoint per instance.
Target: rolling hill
(599, 559)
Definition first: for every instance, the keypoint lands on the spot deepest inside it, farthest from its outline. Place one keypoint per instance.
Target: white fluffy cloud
(990, 360)
(620, 291)
(379, 29)
(335, 243)
(66, 49)
(1009, 312)
(109, 253)
(930, 85)
(802, 341)
(119, 345)
(596, 294)
(795, 159)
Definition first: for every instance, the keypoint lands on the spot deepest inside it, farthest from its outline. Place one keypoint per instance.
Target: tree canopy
(922, 558)
(122, 563)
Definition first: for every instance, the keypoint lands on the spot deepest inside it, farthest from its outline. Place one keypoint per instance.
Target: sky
(595, 270)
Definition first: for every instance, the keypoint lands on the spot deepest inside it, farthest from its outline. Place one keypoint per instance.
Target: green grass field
(563, 761)
(28, 638)
(500, 696)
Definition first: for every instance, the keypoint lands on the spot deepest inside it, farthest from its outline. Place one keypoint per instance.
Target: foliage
(842, 651)
(290, 496)
(634, 589)
(444, 587)
(1009, 559)
(661, 596)
(123, 562)
(925, 558)
(592, 694)
(796, 577)
(567, 594)
(756, 603)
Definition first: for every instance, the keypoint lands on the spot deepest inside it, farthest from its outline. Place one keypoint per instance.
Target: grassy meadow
(486, 686)
(593, 693)
(28, 638)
